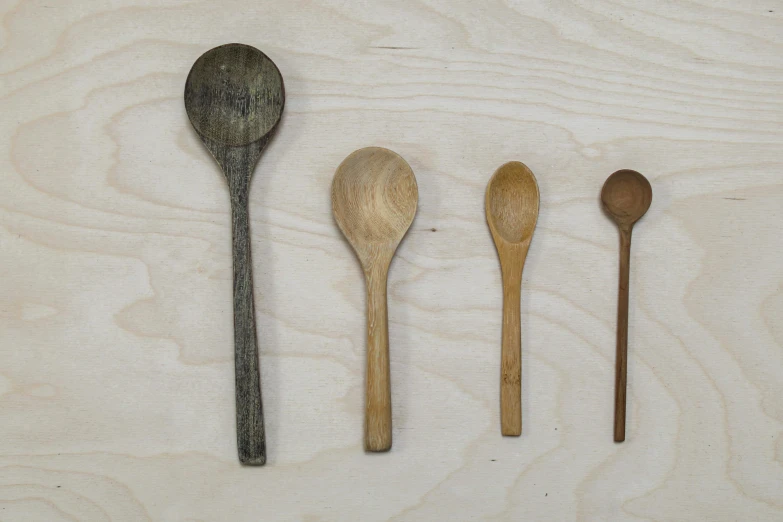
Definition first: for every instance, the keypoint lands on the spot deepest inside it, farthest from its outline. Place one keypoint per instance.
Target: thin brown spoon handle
(511, 354)
(621, 362)
(378, 416)
(251, 440)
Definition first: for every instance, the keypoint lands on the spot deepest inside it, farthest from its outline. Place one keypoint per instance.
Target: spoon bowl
(512, 202)
(234, 95)
(626, 196)
(374, 200)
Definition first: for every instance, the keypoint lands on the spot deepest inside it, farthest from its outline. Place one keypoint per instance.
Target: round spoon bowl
(234, 95)
(512, 202)
(626, 196)
(374, 197)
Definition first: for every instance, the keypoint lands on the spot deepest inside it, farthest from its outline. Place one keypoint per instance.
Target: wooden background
(116, 369)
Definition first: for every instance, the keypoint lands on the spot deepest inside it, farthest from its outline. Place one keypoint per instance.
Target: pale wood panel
(116, 368)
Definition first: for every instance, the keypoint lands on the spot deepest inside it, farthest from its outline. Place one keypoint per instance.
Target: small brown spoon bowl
(626, 196)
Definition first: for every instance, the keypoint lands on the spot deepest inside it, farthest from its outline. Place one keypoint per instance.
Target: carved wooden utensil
(234, 98)
(512, 211)
(626, 196)
(374, 199)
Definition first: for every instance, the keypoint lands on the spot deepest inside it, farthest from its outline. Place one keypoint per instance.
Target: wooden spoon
(626, 196)
(512, 212)
(374, 199)
(234, 98)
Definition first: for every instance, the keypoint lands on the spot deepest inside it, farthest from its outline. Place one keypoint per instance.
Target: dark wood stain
(626, 196)
(234, 97)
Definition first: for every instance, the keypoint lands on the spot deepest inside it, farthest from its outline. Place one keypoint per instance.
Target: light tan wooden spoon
(512, 211)
(626, 196)
(374, 199)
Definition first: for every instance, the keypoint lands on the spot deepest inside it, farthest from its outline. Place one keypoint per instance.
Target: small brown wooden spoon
(626, 196)
(512, 211)
(234, 98)
(374, 199)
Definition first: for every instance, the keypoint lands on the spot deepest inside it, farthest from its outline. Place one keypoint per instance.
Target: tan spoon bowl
(626, 196)
(512, 211)
(374, 199)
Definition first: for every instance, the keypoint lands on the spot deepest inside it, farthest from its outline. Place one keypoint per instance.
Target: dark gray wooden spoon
(234, 97)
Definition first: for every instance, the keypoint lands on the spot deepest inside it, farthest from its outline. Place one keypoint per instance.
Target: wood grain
(374, 200)
(512, 201)
(116, 372)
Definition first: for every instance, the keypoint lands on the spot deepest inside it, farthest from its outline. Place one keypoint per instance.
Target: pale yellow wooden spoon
(512, 212)
(374, 199)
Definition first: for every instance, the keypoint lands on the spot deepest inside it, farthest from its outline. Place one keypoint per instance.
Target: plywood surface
(116, 358)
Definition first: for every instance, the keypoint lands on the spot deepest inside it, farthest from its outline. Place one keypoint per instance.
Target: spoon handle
(250, 416)
(377, 418)
(511, 355)
(621, 361)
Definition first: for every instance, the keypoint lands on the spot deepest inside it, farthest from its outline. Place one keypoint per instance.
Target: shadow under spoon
(234, 97)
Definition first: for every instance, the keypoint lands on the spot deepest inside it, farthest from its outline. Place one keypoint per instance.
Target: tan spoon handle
(511, 354)
(377, 417)
(621, 361)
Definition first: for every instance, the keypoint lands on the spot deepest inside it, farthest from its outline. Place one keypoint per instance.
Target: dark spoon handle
(251, 440)
(621, 362)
